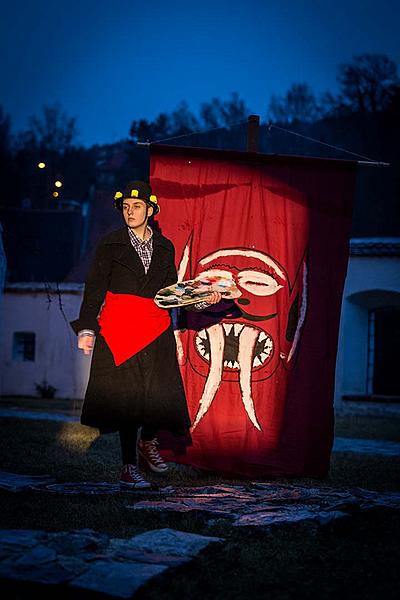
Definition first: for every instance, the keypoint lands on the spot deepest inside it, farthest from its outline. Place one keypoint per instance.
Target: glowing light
(55, 194)
(76, 440)
(41, 165)
(58, 183)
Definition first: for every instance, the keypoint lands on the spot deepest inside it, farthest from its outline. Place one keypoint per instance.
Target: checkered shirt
(144, 248)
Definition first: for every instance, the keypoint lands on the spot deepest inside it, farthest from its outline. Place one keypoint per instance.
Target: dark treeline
(368, 85)
(363, 117)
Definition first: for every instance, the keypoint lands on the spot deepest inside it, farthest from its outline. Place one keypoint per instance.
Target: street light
(41, 165)
(58, 183)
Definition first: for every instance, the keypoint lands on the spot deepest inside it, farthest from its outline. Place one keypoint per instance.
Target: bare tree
(142, 130)
(5, 135)
(183, 120)
(54, 130)
(367, 83)
(234, 110)
(162, 127)
(211, 113)
(297, 105)
(223, 114)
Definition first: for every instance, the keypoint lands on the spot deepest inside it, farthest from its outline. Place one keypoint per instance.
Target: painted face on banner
(242, 344)
(248, 345)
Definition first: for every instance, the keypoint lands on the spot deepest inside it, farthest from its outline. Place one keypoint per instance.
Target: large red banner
(258, 371)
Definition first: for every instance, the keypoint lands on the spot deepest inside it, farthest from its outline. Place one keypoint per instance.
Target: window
(24, 346)
(383, 345)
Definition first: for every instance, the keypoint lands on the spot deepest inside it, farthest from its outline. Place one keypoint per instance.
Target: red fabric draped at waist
(130, 323)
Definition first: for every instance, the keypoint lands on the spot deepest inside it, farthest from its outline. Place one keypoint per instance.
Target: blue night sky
(108, 62)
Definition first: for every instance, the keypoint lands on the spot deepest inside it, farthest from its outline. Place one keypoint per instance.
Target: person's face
(135, 212)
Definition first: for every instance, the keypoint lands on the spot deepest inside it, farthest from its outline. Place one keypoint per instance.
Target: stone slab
(14, 482)
(93, 561)
(117, 578)
(173, 542)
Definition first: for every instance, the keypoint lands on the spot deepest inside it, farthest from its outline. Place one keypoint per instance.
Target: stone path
(93, 561)
(14, 482)
(265, 504)
(363, 446)
(118, 567)
(37, 415)
(367, 408)
(257, 504)
(341, 444)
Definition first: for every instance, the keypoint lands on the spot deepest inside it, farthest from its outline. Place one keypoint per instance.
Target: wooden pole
(253, 133)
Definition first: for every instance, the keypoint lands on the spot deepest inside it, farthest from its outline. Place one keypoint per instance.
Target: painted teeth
(228, 327)
(265, 352)
(231, 364)
(264, 343)
(237, 328)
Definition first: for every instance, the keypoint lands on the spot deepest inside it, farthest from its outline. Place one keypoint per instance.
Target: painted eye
(257, 283)
(216, 273)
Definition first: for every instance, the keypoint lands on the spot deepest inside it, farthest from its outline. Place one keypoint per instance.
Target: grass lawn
(351, 558)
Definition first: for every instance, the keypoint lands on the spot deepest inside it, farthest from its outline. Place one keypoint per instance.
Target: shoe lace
(150, 447)
(133, 472)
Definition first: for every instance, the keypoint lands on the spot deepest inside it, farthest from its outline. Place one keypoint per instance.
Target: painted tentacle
(217, 344)
(247, 341)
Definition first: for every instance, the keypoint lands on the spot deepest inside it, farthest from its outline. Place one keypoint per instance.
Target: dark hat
(137, 189)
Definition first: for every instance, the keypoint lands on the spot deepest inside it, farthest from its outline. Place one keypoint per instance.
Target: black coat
(147, 389)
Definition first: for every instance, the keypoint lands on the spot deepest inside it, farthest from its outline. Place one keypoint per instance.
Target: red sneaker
(131, 477)
(148, 451)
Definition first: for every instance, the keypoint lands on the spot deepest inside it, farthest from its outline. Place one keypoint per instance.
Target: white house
(38, 346)
(369, 338)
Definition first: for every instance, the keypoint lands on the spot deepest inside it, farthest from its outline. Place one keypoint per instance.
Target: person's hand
(214, 298)
(86, 343)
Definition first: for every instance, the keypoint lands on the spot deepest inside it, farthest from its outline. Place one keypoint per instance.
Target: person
(135, 387)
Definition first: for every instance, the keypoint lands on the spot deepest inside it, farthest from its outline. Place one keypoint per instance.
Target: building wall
(57, 359)
(3, 268)
(3, 263)
(372, 282)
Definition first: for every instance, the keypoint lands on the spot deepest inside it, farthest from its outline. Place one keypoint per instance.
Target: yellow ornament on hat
(153, 198)
(118, 195)
(134, 193)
